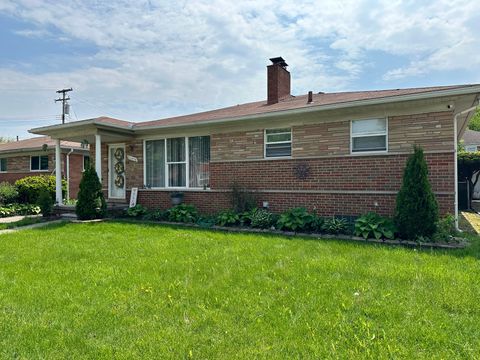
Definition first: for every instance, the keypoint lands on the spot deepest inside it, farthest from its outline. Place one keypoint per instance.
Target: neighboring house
(471, 142)
(338, 153)
(36, 156)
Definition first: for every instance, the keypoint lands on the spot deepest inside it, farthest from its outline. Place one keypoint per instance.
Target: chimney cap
(278, 61)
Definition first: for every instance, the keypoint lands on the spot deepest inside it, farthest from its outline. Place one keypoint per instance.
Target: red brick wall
(76, 172)
(334, 186)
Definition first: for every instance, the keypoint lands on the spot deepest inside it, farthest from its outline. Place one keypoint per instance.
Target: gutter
(455, 144)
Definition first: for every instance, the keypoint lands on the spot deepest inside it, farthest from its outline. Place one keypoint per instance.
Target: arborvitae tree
(91, 202)
(417, 210)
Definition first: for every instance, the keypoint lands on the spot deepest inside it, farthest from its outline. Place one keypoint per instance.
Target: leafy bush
(19, 209)
(8, 193)
(183, 213)
(227, 218)
(296, 219)
(45, 201)
(206, 221)
(335, 226)
(91, 202)
(416, 210)
(263, 219)
(242, 200)
(29, 187)
(157, 215)
(445, 229)
(136, 211)
(375, 226)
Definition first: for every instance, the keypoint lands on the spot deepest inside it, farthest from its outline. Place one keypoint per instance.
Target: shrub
(136, 211)
(183, 213)
(91, 202)
(335, 226)
(45, 201)
(242, 200)
(375, 226)
(296, 219)
(29, 187)
(19, 209)
(8, 193)
(263, 219)
(206, 221)
(157, 215)
(416, 209)
(227, 218)
(445, 229)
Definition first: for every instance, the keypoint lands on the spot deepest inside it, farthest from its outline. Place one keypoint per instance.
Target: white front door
(116, 171)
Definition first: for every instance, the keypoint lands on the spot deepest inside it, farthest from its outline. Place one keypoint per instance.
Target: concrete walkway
(33, 226)
(11, 219)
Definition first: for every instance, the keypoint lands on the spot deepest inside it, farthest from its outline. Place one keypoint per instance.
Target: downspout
(68, 174)
(455, 144)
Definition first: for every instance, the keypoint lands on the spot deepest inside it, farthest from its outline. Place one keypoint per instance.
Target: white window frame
(187, 164)
(369, 135)
(39, 163)
(6, 165)
(265, 143)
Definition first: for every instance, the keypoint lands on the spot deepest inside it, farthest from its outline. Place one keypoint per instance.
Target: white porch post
(98, 156)
(58, 173)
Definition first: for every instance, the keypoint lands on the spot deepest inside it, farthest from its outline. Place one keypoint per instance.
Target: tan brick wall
(432, 131)
(331, 138)
(240, 145)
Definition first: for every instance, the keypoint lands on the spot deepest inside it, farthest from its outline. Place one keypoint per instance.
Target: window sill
(39, 170)
(363, 153)
(174, 189)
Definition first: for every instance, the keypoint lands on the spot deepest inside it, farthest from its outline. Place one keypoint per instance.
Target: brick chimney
(278, 81)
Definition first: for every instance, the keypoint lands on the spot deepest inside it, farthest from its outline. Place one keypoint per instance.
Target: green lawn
(116, 290)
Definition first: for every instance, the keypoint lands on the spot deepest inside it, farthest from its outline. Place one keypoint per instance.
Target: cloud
(155, 58)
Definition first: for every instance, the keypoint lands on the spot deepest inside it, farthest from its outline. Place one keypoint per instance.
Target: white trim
(118, 145)
(265, 142)
(370, 152)
(186, 162)
(98, 156)
(39, 163)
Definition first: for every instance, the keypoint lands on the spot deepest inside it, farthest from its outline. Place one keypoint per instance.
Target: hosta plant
(372, 225)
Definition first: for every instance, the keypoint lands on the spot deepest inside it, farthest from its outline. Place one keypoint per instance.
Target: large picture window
(177, 162)
(369, 135)
(3, 165)
(278, 142)
(39, 163)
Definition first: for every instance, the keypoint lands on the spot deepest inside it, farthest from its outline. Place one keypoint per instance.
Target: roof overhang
(86, 129)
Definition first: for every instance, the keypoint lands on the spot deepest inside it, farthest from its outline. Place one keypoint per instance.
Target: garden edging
(461, 243)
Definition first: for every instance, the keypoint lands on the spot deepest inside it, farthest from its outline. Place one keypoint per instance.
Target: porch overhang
(84, 131)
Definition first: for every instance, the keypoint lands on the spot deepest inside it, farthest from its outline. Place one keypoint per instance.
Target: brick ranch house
(36, 156)
(339, 153)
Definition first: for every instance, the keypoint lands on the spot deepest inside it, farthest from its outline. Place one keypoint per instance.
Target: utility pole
(64, 100)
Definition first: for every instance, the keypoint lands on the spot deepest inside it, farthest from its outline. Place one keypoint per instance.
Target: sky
(145, 60)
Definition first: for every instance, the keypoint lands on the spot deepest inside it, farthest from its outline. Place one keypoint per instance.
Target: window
(278, 142)
(86, 161)
(39, 163)
(369, 135)
(471, 148)
(178, 162)
(3, 165)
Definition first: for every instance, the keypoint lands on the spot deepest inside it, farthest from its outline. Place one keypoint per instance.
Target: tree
(416, 209)
(4, 139)
(474, 123)
(469, 169)
(91, 202)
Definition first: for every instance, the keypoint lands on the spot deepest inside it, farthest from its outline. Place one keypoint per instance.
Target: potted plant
(176, 197)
